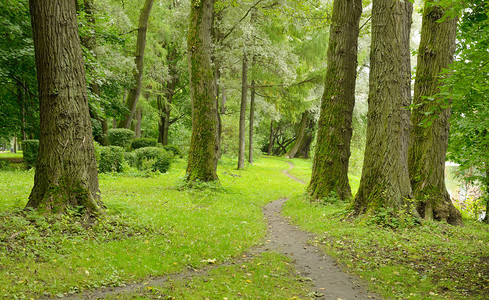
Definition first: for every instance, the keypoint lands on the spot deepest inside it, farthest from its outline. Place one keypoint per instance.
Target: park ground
(162, 241)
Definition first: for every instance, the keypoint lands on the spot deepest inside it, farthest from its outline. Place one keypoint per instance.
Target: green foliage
(153, 159)
(30, 151)
(120, 137)
(143, 142)
(4, 164)
(174, 149)
(111, 159)
(468, 90)
(130, 158)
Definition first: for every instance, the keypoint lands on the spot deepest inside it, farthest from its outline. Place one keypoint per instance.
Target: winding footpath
(330, 282)
(327, 278)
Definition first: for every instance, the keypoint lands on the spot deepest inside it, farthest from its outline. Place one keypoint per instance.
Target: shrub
(4, 164)
(30, 150)
(143, 142)
(175, 150)
(120, 137)
(111, 159)
(130, 158)
(153, 158)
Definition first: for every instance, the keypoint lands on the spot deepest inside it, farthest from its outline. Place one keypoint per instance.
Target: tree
(242, 111)
(330, 166)
(385, 180)
(203, 152)
(132, 98)
(66, 172)
(468, 89)
(429, 138)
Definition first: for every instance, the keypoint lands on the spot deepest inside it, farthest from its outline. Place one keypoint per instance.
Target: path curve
(330, 282)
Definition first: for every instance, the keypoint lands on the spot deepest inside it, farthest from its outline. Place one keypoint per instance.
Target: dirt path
(329, 281)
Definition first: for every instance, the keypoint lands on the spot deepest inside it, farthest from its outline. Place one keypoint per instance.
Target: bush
(130, 158)
(143, 142)
(120, 137)
(30, 150)
(175, 150)
(4, 164)
(153, 158)
(111, 159)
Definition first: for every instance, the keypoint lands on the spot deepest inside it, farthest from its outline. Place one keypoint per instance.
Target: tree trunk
(305, 147)
(242, 113)
(252, 122)
(66, 172)
(132, 98)
(428, 147)
(203, 152)
(330, 165)
(301, 133)
(139, 117)
(271, 140)
(385, 179)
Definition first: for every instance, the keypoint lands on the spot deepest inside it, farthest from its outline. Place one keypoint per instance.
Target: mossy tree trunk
(242, 112)
(133, 96)
(66, 171)
(330, 165)
(385, 179)
(203, 153)
(428, 143)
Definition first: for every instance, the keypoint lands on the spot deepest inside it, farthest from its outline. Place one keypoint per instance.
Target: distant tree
(429, 137)
(385, 179)
(330, 166)
(66, 171)
(203, 152)
(133, 95)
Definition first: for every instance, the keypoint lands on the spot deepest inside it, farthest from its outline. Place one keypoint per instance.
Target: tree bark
(139, 117)
(252, 122)
(305, 146)
(385, 179)
(66, 172)
(428, 147)
(330, 165)
(271, 140)
(242, 113)
(301, 133)
(204, 144)
(132, 98)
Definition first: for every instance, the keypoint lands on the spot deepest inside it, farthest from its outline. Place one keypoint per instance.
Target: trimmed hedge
(177, 152)
(4, 164)
(130, 158)
(120, 137)
(143, 143)
(153, 158)
(30, 150)
(111, 159)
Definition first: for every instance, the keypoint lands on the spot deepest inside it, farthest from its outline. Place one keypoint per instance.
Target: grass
(433, 261)
(11, 155)
(267, 276)
(153, 229)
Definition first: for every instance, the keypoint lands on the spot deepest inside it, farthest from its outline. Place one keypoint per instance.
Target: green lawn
(153, 229)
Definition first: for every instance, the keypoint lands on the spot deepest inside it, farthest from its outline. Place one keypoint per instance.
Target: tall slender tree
(242, 112)
(66, 172)
(330, 166)
(203, 152)
(133, 96)
(385, 179)
(429, 142)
